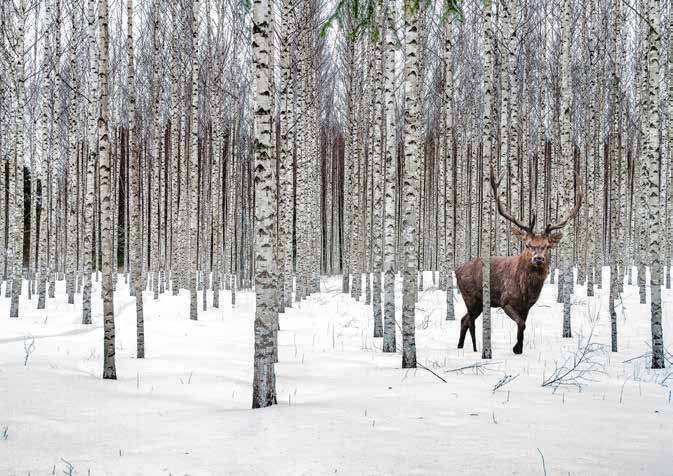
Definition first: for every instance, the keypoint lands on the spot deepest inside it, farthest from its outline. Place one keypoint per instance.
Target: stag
(516, 281)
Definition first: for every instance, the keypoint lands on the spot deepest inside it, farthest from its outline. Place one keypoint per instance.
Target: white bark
(653, 186)
(264, 379)
(17, 193)
(450, 176)
(389, 331)
(410, 190)
(286, 159)
(194, 165)
(109, 369)
(71, 158)
(90, 160)
(566, 159)
(377, 184)
(487, 140)
(44, 176)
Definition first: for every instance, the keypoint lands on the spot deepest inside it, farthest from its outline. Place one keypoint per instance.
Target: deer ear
(520, 234)
(554, 239)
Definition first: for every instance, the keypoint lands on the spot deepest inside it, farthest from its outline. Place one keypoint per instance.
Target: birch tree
(567, 162)
(92, 130)
(18, 165)
(135, 205)
(194, 165)
(486, 160)
(410, 187)
(264, 379)
(109, 369)
(653, 174)
(389, 331)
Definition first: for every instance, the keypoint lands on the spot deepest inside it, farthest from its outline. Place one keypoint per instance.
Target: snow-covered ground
(344, 406)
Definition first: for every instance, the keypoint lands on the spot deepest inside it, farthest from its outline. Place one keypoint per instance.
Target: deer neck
(531, 277)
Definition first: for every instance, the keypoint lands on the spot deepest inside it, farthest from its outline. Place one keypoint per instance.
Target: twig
(641, 16)
(476, 366)
(544, 466)
(504, 381)
(68, 469)
(578, 367)
(29, 349)
(663, 382)
(432, 372)
(419, 364)
(647, 354)
(621, 393)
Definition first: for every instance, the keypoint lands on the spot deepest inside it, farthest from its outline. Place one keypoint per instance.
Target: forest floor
(344, 407)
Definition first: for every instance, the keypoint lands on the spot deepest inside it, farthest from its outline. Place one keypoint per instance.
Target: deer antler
(501, 209)
(578, 203)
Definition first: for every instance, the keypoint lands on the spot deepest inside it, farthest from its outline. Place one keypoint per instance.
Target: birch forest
(249, 160)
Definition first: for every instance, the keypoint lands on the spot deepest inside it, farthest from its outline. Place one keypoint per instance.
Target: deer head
(536, 245)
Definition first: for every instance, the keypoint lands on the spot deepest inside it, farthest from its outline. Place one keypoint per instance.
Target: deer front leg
(521, 327)
(464, 325)
(472, 335)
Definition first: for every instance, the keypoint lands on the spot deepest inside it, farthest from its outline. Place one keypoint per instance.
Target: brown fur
(516, 282)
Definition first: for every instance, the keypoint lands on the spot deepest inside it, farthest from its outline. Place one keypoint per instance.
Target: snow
(344, 406)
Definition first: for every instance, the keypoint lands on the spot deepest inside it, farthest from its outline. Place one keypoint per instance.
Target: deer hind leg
(467, 323)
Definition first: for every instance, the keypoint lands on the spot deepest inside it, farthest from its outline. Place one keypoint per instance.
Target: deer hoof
(518, 349)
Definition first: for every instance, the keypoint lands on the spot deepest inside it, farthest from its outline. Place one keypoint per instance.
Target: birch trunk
(53, 231)
(485, 250)
(155, 198)
(71, 158)
(92, 130)
(449, 160)
(177, 138)
(669, 187)
(377, 184)
(18, 168)
(109, 369)
(43, 254)
(286, 160)
(594, 135)
(653, 188)
(194, 165)
(410, 189)
(264, 379)
(389, 331)
(566, 159)
(135, 205)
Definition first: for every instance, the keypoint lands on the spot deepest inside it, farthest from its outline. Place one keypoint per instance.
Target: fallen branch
(431, 371)
(417, 363)
(504, 381)
(647, 354)
(478, 367)
(578, 368)
(664, 381)
(668, 356)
